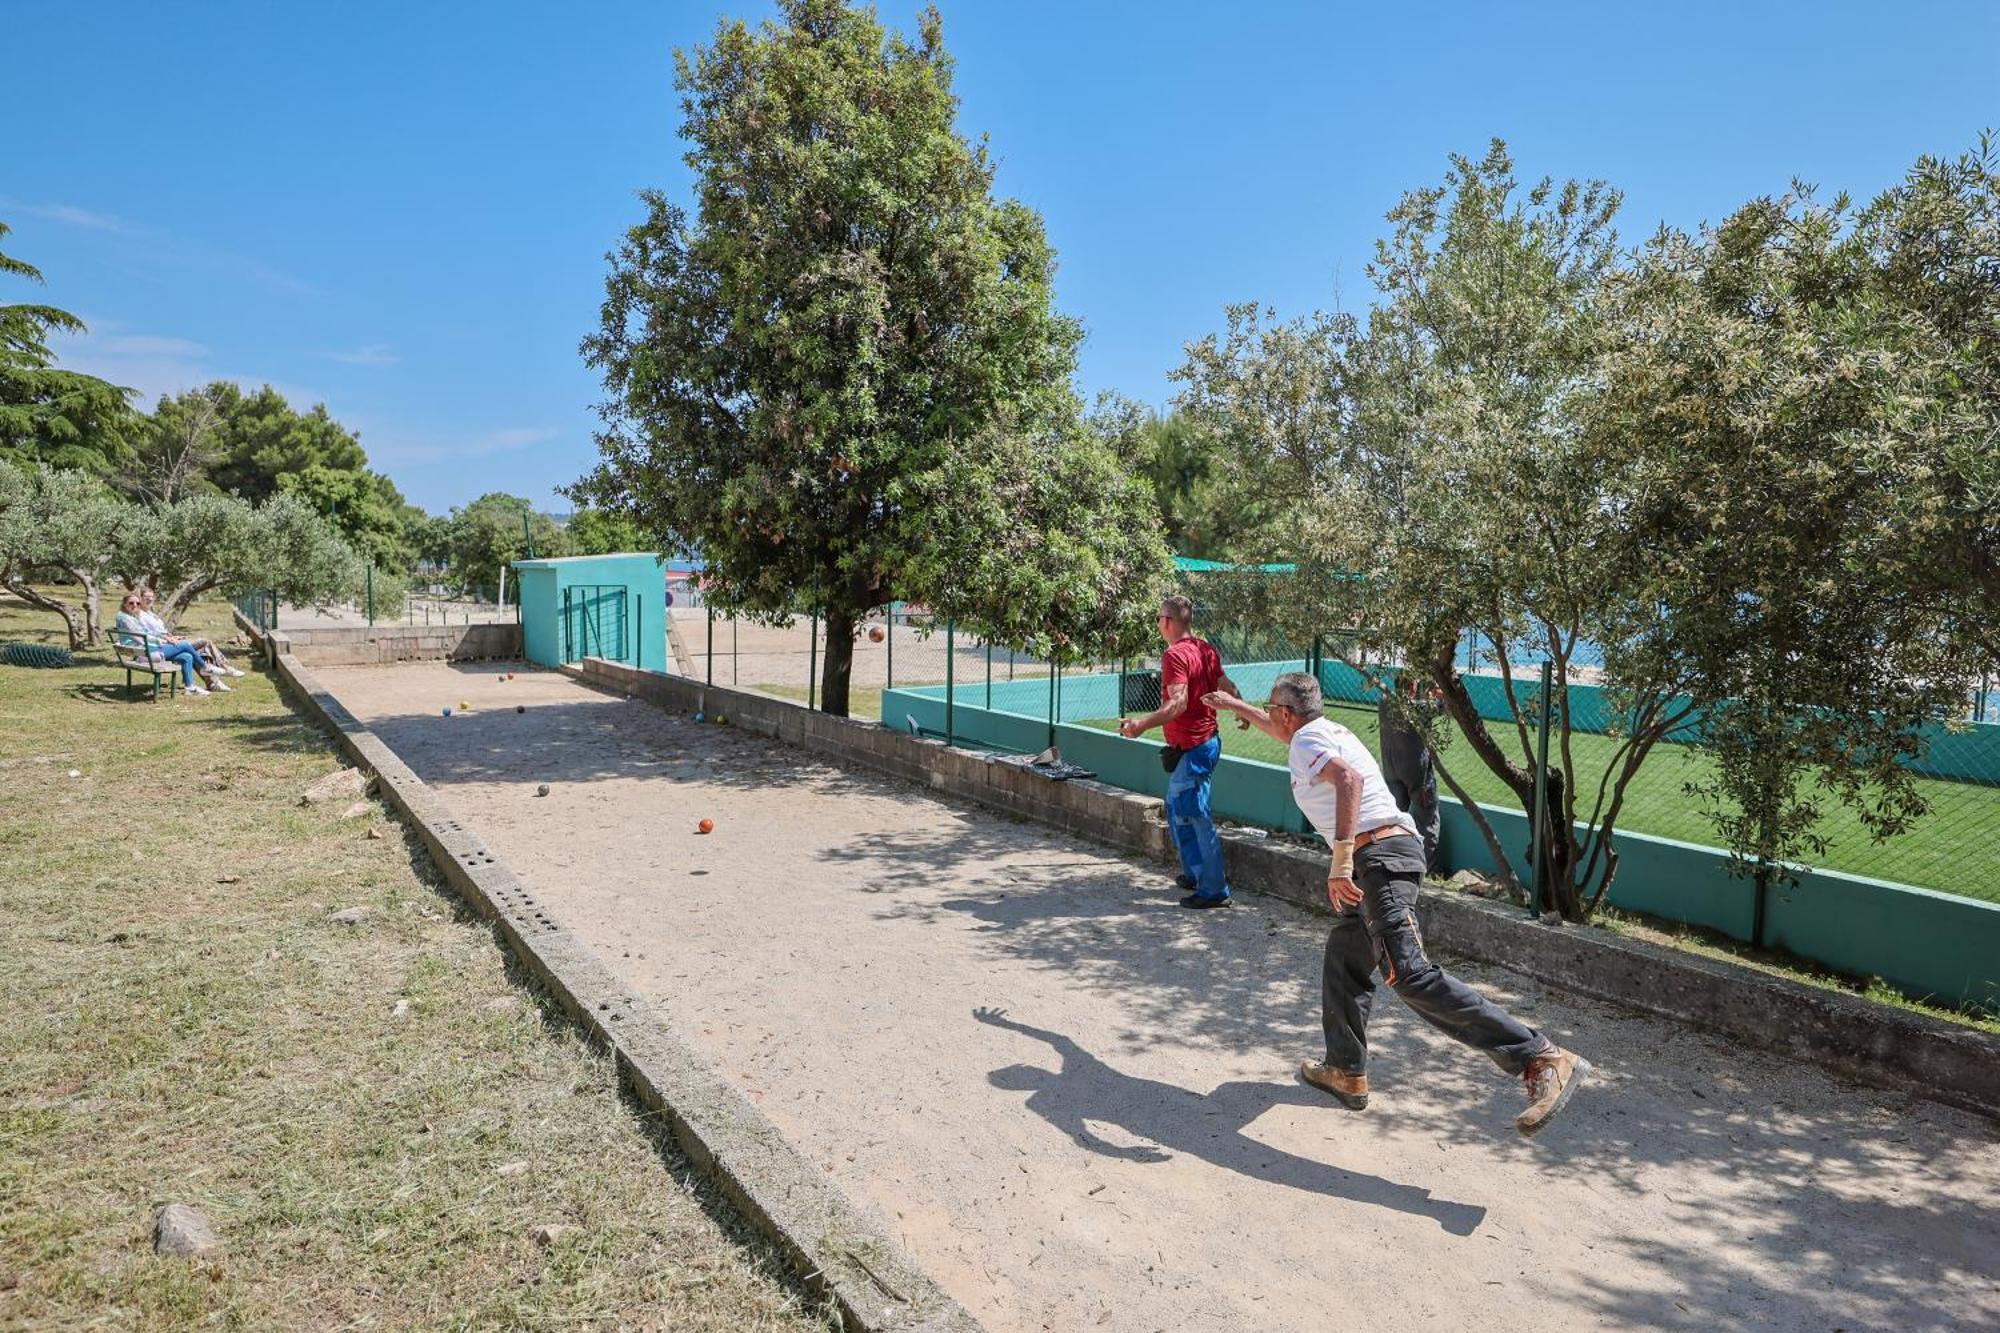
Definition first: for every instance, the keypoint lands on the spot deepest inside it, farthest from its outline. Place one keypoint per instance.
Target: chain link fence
(1954, 848)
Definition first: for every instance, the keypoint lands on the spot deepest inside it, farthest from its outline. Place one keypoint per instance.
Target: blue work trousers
(1189, 820)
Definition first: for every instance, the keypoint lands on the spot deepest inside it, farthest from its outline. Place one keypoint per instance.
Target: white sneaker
(218, 685)
(195, 690)
(236, 671)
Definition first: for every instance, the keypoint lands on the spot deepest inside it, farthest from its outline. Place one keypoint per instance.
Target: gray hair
(1298, 691)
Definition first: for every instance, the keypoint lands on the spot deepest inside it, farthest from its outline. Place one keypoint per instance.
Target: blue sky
(402, 209)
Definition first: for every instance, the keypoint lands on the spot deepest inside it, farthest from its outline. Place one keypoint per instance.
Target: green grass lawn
(377, 1117)
(1956, 849)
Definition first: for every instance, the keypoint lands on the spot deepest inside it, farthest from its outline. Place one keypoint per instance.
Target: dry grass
(186, 1024)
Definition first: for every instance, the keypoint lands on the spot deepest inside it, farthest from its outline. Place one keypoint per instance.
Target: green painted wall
(1923, 942)
(642, 631)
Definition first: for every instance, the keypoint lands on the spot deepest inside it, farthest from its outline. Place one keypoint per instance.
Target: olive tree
(60, 525)
(1813, 393)
(1441, 481)
(841, 379)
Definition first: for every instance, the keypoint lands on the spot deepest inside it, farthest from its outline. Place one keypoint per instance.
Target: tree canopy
(842, 379)
(47, 414)
(1751, 469)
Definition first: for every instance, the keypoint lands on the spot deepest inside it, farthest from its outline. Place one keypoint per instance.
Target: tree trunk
(1560, 849)
(77, 620)
(1482, 823)
(176, 606)
(93, 617)
(837, 667)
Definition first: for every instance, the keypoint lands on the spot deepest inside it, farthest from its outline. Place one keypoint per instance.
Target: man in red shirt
(1190, 669)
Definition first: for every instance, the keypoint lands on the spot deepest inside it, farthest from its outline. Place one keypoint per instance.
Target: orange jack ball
(874, 634)
(706, 826)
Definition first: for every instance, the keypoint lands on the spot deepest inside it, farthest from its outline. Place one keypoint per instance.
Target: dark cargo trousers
(1383, 933)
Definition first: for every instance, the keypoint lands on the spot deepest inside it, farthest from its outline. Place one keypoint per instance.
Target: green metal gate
(596, 623)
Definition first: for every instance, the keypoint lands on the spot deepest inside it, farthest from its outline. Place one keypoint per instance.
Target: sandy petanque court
(1074, 1102)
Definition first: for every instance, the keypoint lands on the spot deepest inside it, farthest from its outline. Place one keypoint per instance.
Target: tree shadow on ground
(1209, 1127)
(1827, 1205)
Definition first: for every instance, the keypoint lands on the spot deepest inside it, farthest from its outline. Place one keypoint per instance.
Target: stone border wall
(379, 644)
(791, 1202)
(1874, 1043)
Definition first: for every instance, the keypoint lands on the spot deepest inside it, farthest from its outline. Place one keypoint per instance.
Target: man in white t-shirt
(1378, 866)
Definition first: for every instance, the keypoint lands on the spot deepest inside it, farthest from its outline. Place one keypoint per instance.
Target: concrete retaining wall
(379, 644)
(1872, 1042)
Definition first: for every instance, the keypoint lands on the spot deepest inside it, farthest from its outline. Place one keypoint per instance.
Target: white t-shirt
(1312, 746)
(154, 625)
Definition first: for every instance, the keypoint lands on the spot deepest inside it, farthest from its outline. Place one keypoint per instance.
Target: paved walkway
(1074, 1101)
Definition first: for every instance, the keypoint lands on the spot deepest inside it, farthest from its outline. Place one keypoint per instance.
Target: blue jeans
(187, 655)
(1188, 819)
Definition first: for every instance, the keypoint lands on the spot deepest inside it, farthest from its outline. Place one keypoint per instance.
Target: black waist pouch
(1170, 757)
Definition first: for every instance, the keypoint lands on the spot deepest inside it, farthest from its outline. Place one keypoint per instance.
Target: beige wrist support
(1343, 860)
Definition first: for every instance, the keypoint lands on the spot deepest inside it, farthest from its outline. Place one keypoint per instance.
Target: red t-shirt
(1196, 662)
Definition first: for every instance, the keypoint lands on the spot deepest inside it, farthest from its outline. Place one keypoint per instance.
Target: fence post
(989, 675)
(812, 661)
(1538, 850)
(371, 594)
(889, 670)
(950, 674)
(1053, 670)
(711, 641)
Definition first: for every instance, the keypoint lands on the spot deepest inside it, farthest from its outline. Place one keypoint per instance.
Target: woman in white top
(1378, 867)
(206, 647)
(133, 633)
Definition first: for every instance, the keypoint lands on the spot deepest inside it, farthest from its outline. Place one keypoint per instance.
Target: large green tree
(1814, 395)
(218, 439)
(842, 380)
(1204, 510)
(260, 438)
(481, 538)
(600, 532)
(1440, 483)
(47, 414)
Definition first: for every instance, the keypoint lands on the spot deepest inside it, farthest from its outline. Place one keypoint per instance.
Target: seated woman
(132, 632)
(206, 647)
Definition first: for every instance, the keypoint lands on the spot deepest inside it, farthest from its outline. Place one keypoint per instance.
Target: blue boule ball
(699, 718)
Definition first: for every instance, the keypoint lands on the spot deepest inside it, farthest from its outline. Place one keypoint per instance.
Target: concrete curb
(1856, 1038)
(790, 1201)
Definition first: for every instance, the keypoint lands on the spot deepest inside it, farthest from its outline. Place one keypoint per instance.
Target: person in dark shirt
(1406, 761)
(1190, 669)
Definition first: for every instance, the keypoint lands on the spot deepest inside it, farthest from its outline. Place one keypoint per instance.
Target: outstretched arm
(998, 1018)
(1225, 701)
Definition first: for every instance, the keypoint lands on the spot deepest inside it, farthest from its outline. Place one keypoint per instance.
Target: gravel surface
(1074, 1102)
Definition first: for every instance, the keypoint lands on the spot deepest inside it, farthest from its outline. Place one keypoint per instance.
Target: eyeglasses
(1270, 704)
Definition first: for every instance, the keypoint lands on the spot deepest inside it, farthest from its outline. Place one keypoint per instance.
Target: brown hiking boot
(1350, 1090)
(1551, 1078)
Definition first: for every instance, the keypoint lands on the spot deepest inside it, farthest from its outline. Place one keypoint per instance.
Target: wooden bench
(139, 661)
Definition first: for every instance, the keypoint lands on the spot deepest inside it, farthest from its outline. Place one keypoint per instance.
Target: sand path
(1074, 1103)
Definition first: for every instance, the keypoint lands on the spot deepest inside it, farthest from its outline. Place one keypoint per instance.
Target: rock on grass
(348, 782)
(184, 1230)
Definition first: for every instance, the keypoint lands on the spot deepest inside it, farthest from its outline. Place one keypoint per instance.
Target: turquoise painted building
(608, 606)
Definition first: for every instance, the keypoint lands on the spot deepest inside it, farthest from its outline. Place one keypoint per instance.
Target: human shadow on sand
(1209, 1127)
